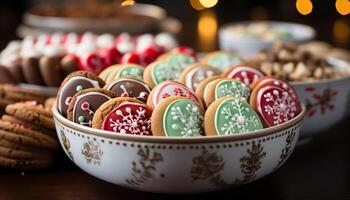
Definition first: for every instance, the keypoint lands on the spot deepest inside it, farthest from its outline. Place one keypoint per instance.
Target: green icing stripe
(232, 88)
(224, 61)
(181, 59)
(182, 118)
(235, 116)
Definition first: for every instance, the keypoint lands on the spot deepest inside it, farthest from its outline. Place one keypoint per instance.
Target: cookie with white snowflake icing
(229, 116)
(276, 82)
(166, 69)
(225, 87)
(129, 87)
(126, 70)
(129, 118)
(177, 117)
(275, 105)
(222, 60)
(192, 75)
(171, 88)
(83, 105)
(74, 83)
(244, 73)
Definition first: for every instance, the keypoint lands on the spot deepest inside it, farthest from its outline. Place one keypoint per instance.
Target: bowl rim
(312, 35)
(177, 140)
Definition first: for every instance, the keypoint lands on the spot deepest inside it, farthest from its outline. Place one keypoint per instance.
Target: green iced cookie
(232, 88)
(183, 118)
(234, 116)
(135, 71)
(224, 61)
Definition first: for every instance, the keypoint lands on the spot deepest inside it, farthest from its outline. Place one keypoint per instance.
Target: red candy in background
(185, 50)
(110, 56)
(131, 57)
(92, 62)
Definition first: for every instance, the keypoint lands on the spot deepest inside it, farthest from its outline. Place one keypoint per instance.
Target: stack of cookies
(27, 135)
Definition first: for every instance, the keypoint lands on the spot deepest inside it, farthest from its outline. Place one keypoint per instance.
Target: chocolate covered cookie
(74, 83)
(84, 104)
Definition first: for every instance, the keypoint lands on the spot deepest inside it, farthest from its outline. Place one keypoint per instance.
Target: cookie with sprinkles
(230, 116)
(124, 115)
(274, 104)
(192, 75)
(84, 104)
(243, 73)
(222, 60)
(177, 117)
(74, 83)
(124, 70)
(171, 88)
(169, 68)
(225, 87)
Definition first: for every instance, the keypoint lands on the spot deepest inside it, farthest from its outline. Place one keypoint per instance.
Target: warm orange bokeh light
(341, 32)
(128, 3)
(304, 7)
(343, 7)
(207, 28)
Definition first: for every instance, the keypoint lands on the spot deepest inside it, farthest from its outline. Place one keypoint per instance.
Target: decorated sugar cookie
(243, 73)
(177, 117)
(225, 87)
(124, 115)
(222, 60)
(274, 104)
(192, 75)
(276, 82)
(201, 86)
(230, 116)
(106, 72)
(171, 88)
(74, 83)
(125, 70)
(169, 68)
(130, 87)
(83, 105)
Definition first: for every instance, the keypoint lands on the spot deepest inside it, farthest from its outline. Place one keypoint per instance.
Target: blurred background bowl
(246, 43)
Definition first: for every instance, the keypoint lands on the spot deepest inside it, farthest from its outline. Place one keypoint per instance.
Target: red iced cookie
(110, 56)
(129, 118)
(276, 82)
(244, 74)
(274, 104)
(92, 62)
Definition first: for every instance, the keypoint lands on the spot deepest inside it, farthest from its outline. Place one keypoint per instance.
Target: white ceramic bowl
(247, 46)
(327, 101)
(178, 165)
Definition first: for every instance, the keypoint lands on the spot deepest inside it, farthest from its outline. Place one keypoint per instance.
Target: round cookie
(224, 87)
(171, 88)
(106, 72)
(276, 82)
(230, 116)
(243, 73)
(125, 70)
(23, 154)
(14, 94)
(192, 75)
(130, 87)
(74, 83)
(26, 164)
(202, 84)
(47, 131)
(22, 135)
(222, 60)
(124, 115)
(166, 69)
(31, 70)
(177, 117)
(31, 112)
(274, 104)
(51, 70)
(83, 105)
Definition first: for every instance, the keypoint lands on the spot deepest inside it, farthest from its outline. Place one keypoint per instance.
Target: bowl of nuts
(322, 83)
(248, 38)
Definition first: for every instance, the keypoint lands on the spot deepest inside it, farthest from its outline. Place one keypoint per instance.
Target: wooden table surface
(316, 170)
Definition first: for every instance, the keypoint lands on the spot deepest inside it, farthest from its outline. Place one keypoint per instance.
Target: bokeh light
(207, 29)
